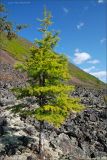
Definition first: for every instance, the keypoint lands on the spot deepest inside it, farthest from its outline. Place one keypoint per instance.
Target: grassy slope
(85, 78)
(19, 48)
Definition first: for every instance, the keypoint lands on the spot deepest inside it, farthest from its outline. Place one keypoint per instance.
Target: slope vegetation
(19, 48)
(83, 78)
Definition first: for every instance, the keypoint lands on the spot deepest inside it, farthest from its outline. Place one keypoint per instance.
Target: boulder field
(83, 136)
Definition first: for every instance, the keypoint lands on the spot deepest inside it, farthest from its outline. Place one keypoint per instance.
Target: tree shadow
(11, 142)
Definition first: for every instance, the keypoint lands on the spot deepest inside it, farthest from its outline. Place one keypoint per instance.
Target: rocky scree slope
(9, 78)
(82, 136)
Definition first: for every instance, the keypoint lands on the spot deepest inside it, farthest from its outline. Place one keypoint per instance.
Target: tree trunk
(41, 141)
(41, 133)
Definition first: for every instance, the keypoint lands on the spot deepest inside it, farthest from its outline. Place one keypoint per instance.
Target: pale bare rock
(5, 57)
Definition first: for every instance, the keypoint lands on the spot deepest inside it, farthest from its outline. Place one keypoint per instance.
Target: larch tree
(48, 81)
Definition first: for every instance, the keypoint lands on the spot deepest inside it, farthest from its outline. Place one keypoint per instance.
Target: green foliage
(7, 26)
(21, 26)
(17, 108)
(48, 75)
(19, 49)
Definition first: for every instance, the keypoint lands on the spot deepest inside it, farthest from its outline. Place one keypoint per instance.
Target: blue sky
(82, 26)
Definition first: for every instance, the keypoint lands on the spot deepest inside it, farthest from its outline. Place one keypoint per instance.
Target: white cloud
(95, 61)
(103, 40)
(81, 57)
(77, 50)
(65, 10)
(80, 25)
(101, 75)
(89, 69)
(100, 1)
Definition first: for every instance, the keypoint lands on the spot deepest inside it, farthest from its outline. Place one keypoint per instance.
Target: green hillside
(83, 77)
(19, 48)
